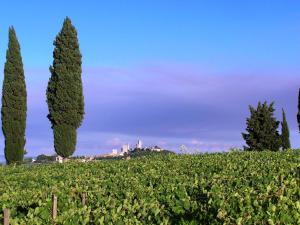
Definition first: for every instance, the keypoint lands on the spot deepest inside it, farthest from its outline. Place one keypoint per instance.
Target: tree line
(66, 103)
(64, 95)
(262, 129)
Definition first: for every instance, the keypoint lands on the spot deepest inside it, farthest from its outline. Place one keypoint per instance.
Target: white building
(124, 149)
(114, 152)
(156, 149)
(59, 159)
(139, 145)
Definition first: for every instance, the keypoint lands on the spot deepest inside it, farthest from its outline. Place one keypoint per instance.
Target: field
(231, 188)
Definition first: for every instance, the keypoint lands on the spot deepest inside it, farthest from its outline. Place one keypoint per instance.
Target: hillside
(221, 188)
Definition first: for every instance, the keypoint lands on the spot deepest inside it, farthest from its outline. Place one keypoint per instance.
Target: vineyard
(221, 188)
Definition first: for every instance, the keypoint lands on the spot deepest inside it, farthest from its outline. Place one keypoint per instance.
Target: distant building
(156, 149)
(59, 159)
(86, 159)
(82, 160)
(124, 149)
(114, 152)
(139, 145)
(90, 158)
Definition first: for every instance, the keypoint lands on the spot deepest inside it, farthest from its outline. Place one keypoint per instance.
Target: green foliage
(233, 188)
(27, 160)
(14, 102)
(45, 158)
(64, 92)
(262, 129)
(64, 139)
(285, 133)
(138, 152)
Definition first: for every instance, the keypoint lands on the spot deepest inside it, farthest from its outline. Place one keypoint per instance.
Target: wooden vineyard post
(83, 198)
(6, 215)
(54, 207)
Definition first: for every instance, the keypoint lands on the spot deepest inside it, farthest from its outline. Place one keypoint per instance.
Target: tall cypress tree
(14, 102)
(285, 133)
(64, 92)
(262, 129)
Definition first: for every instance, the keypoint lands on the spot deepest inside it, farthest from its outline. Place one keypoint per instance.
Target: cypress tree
(14, 102)
(64, 91)
(285, 133)
(262, 129)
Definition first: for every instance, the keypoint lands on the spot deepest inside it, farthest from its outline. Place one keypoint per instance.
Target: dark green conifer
(262, 129)
(14, 102)
(64, 92)
(285, 133)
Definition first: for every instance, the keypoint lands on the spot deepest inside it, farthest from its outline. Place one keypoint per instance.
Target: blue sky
(168, 72)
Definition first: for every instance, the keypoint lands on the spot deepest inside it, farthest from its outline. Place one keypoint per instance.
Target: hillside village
(124, 152)
(126, 148)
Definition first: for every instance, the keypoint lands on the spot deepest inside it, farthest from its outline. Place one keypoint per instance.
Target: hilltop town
(125, 151)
